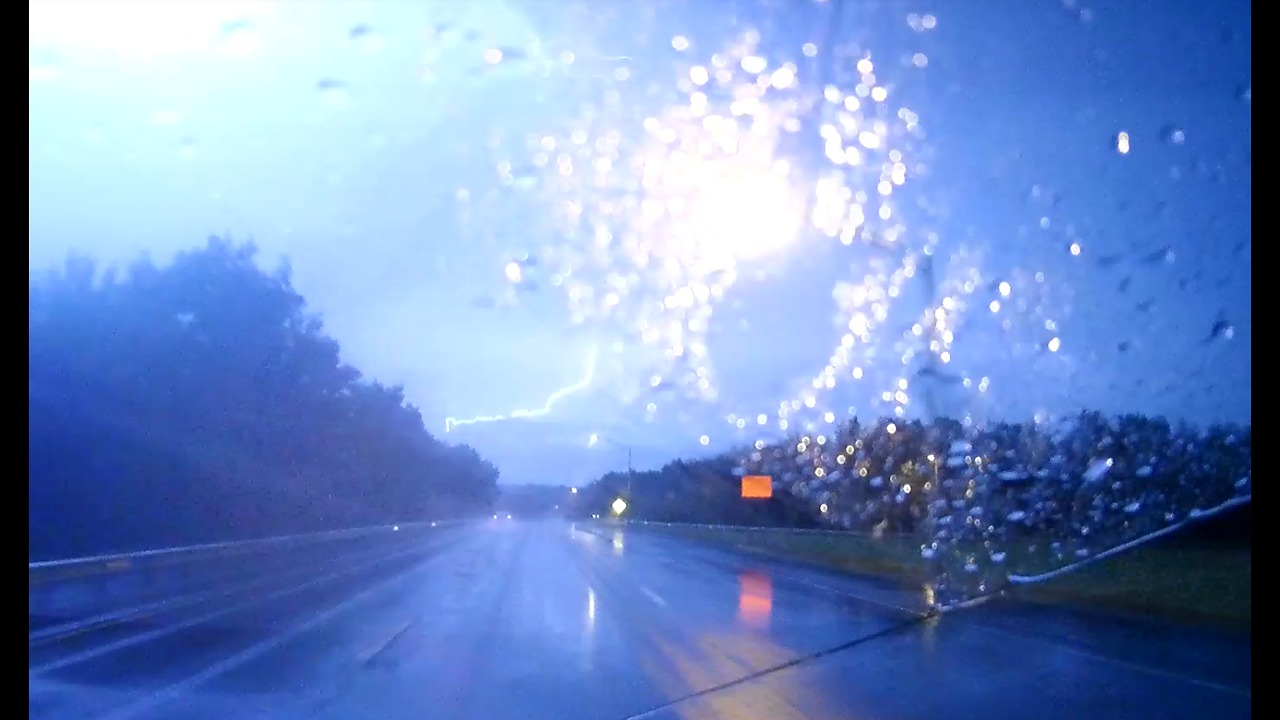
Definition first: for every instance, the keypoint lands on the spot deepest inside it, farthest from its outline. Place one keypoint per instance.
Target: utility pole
(630, 470)
(931, 370)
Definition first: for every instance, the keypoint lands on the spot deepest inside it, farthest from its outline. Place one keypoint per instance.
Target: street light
(619, 506)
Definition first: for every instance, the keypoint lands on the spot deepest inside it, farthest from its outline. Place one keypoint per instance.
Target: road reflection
(755, 598)
(714, 660)
(722, 654)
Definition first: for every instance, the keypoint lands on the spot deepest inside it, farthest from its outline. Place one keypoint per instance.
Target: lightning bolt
(522, 413)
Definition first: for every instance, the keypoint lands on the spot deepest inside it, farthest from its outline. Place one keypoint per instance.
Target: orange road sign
(757, 486)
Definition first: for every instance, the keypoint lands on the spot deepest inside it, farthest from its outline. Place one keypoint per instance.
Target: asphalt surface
(534, 620)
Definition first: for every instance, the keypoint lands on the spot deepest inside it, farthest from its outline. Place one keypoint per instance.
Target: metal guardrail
(50, 571)
(774, 529)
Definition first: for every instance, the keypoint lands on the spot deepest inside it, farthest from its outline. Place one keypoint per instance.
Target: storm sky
(490, 202)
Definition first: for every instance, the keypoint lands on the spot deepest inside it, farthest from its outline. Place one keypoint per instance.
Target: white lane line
(279, 539)
(58, 632)
(369, 655)
(655, 597)
(852, 595)
(198, 620)
(161, 696)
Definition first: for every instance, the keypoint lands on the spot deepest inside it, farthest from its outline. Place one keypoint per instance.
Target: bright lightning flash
(523, 413)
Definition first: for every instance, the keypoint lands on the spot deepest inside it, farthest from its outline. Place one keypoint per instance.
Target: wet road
(542, 620)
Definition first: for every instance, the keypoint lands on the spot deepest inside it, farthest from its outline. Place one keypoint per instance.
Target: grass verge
(1196, 584)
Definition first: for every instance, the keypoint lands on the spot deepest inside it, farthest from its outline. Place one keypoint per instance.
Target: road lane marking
(159, 697)
(372, 654)
(170, 629)
(66, 630)
(892, 629)
(852, 595)
(655, 597)
(142, 612)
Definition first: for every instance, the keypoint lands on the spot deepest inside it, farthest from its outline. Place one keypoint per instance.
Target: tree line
(980, 502)
(202, 401)
(1081, 483)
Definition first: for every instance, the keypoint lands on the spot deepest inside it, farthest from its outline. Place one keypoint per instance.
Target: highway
(534, 620)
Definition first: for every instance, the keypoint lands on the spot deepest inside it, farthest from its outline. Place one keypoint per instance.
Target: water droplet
(1173, 135)
(513, 272)
(366, 37)
(1245, 94)
(1221, 330)
(1163, 255)
(511, 53)
(240, 38)
(1122, 142)
(187, 149)
(333, 93)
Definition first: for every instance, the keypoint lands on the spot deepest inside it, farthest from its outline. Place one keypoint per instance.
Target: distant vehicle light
(395, 527)
(495, 517)
(508, 516)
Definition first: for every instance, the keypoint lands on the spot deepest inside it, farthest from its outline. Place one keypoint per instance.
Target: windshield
(652, 359)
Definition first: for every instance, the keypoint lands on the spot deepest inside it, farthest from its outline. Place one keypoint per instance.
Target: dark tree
(201, 402)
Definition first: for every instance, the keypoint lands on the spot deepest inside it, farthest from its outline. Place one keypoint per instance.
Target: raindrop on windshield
(1221, 330)
(333, 93)
(240, 38)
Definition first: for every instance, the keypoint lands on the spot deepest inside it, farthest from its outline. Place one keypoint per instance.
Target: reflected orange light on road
(757, 486)
(755, 598)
